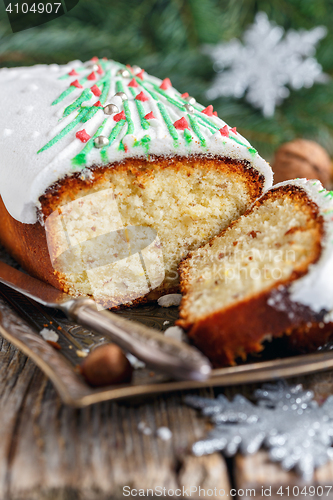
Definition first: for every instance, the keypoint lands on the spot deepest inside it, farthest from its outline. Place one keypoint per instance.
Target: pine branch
(166, 37)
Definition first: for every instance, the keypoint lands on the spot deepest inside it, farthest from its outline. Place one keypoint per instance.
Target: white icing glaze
(29, 120)
(315, 289)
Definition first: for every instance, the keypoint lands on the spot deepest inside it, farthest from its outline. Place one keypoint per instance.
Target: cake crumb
(135, 362)
(48, 334)
(81, 354)
(164, 433)
(166, 323)
(173, 299)
(141, 425)
(175, 332)
(55, 345)
(144, 428)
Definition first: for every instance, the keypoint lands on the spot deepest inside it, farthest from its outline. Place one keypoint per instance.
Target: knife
(161, 353)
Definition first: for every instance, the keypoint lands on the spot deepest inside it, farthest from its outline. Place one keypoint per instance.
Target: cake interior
(272, 244)
(186, 201)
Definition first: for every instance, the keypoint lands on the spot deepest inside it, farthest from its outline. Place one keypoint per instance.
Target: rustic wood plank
(15, 376)
(205, 477)
(320, 383)
(259, 474)
(51, 451)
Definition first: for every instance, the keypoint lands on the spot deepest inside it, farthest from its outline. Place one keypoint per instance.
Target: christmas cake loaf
(269, 273)
(109, 177)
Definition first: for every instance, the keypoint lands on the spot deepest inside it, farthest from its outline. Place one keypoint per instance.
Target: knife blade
(159, 352)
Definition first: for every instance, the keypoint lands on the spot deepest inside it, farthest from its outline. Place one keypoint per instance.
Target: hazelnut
(302, 158)
(106, 365)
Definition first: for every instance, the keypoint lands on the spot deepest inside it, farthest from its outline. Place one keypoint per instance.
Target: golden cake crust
(73, 186)
(27, 244)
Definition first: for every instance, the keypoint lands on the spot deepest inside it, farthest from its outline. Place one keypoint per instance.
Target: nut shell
(302, 158)
(106, 365)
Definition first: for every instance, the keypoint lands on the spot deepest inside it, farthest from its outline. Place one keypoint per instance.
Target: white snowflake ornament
(266, 63)
(297, 432)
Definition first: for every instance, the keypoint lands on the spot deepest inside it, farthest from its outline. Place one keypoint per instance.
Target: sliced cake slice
(269, 273)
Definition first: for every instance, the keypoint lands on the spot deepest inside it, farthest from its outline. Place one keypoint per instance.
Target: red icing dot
(100, 70)
(140, 74)
(92, 76)
(215, 113)
(150, 116)
(186, 94)
(166, 84)
(76, 84)
(104, 58)
(94, 59)
(98, 103)
(133, 83)
(181, 124)
(234, 130)
(208, 111)
(82, 135)
(129, 66)
(125, 148)
(224, 131)
(119, 116)
(73, 73)
(142, 97)
(95, 90)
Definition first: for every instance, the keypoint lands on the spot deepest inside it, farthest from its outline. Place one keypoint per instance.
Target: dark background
(165, 37)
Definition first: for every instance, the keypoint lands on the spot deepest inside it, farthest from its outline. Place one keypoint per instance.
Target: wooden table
(51, 451)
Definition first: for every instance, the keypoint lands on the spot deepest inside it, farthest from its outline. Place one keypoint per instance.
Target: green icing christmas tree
(105, 79)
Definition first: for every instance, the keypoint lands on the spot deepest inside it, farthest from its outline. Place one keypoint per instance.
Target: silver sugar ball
(122, 95)
(92, 66)
(110, 109)
(190, 100)
(189, 108)
(124, 73)
(136, 69)
(101, 141)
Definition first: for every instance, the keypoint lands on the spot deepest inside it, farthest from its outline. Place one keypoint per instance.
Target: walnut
(302, 158)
